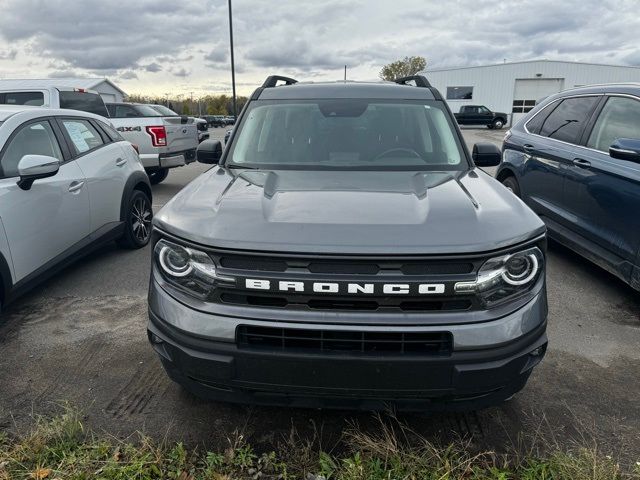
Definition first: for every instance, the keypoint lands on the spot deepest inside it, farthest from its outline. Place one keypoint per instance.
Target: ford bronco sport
(347, 252)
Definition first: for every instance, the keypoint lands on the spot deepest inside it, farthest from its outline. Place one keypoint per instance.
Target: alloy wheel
(141, 219)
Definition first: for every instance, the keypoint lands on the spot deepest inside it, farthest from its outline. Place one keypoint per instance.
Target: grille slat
(346, 304)
(335, 341)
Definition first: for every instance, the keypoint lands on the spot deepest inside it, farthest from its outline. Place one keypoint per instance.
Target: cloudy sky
(157, 46)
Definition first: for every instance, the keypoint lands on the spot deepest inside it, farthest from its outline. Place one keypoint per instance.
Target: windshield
(353, 134)
(164, 110)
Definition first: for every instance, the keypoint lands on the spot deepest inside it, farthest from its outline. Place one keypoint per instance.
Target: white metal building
(105, 87)
(515, 87)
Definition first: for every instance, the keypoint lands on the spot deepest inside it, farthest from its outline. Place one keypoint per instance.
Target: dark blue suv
(575, 160)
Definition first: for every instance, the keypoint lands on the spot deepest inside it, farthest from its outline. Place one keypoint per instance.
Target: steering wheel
(398, 149)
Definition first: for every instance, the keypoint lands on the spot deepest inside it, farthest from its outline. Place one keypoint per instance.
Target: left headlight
(505, 277)
(187, 268)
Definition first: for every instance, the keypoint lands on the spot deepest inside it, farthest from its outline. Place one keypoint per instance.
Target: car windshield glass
(164, 110)
(356, 134)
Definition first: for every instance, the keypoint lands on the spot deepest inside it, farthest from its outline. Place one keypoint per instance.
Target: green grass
(61, 448)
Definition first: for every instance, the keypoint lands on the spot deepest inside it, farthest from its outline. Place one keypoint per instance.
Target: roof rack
(273, 80)
(421, 81)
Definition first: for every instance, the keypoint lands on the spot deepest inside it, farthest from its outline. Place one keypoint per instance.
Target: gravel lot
(80, 338)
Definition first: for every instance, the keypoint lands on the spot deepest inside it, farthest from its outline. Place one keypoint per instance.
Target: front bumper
(489, 363)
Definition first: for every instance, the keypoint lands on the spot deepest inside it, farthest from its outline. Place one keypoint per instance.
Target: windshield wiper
(244, 167)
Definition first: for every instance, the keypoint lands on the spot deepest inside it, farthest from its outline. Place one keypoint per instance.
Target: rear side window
(83, 101)
(111, 132)
(620, 118)
(535, 124)
(35, 99)
(32, 139)
(83, 135)
(567, 121)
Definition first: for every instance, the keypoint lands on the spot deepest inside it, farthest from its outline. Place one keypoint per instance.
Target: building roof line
(542, 60)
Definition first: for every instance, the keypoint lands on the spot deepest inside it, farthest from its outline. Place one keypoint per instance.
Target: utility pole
(345, 73)
(233, 67)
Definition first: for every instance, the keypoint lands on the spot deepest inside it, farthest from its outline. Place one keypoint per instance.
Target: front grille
(388, 304)
(377, 270)
(337, 341)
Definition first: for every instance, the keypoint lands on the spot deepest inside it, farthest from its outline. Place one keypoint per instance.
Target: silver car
(68, 182)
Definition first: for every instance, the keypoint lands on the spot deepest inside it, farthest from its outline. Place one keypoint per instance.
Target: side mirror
(486, 155)
(626, 149)
(209, 151)
(33, 167)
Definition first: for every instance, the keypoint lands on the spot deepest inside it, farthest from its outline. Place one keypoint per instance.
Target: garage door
(108, 97)
(528, 91)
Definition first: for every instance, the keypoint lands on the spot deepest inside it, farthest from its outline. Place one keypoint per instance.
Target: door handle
(581, 163)
(75, 186)
(120, 161)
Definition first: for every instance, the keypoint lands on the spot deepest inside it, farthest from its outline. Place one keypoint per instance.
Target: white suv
(68, 182)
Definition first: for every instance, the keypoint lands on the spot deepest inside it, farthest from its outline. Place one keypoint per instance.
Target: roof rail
(273, 80)
(421, 81)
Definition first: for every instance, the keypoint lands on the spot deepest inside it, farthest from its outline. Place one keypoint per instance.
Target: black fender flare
(137, 181)
(5, 280)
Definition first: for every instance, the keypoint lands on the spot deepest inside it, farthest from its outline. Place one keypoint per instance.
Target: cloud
(303, 38)
(115, 35)
(8, 54)
(217, 55)
(153, 67)
(128, 75)
(181, 72)
(66, 74)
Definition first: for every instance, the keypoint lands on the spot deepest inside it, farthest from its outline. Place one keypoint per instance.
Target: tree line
(206, 105)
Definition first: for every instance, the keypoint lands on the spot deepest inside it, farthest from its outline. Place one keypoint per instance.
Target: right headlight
(505, 277)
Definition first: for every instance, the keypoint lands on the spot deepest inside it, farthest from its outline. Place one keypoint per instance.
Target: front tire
(137, 228)
(511, 183)
(158, 175)
(497, 124)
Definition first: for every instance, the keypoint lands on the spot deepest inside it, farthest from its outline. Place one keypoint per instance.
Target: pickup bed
(164, 142)
(480, 115)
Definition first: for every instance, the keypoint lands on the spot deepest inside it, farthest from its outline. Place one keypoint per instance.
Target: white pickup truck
(164, 142)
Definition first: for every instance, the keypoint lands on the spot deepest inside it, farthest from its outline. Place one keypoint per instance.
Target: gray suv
(346, 251)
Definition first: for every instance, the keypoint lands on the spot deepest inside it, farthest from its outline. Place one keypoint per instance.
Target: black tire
(512, 184)
(157, 176)
(137, 225)
(498, 123)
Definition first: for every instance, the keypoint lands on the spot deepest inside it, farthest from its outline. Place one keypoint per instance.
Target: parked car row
(163, 138)
(219, 120)
(362, 234)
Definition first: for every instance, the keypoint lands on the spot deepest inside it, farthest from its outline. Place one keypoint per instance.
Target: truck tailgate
(182, 134)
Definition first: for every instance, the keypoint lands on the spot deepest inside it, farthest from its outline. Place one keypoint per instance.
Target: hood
(350, 212)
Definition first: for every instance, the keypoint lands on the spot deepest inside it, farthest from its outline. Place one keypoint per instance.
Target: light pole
(233, 67)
